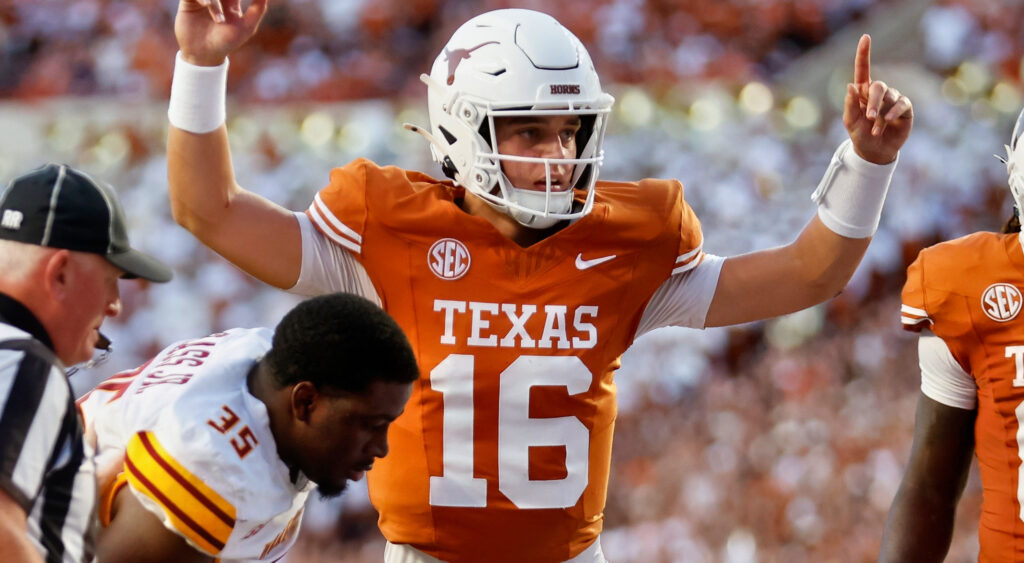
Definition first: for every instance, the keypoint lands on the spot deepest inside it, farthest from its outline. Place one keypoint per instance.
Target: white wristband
(197, 96)
(851, 194)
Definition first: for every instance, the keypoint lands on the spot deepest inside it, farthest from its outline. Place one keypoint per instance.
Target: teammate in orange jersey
(520, 281)
(967, 293)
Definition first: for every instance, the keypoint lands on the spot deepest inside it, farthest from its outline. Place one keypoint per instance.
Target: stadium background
(776, 441)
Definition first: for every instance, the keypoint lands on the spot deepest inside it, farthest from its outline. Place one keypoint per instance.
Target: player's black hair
(1013, 224)
(340, 342)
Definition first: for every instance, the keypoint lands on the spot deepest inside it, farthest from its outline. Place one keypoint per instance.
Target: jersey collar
(12, 312)
(258, 410)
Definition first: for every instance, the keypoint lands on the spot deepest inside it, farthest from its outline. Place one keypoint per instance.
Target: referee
(63, 246)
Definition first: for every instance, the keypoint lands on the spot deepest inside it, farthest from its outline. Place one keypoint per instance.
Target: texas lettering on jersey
(1016, 353)
(503, 451)
(564, 327)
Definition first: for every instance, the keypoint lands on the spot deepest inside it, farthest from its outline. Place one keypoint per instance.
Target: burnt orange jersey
(503, 451)
(968, 291)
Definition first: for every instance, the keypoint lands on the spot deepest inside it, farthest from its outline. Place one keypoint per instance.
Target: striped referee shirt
(45, 465)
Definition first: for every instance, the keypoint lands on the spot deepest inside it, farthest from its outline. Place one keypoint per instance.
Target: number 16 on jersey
(517, 432)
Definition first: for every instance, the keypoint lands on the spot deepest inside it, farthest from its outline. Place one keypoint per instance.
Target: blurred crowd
(354, 49)
(780, 441)
(358, 49)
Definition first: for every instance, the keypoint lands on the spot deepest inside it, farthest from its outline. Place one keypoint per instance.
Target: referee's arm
(34, 399)
(14, 543)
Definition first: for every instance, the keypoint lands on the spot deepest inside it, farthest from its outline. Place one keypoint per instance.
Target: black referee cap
(60, 207)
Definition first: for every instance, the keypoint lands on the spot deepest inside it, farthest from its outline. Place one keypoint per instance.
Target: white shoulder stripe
(690, 254)
(915, 321)
(322, 221)
(342, 228)
(688, 266)
(914, 311)
(689, 260)
(319, 220)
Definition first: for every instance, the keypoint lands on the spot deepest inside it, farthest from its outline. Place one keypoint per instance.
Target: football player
(964, 297)
(223, 437)
(520, 279)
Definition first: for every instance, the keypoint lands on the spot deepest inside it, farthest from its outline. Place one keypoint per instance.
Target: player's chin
(329, 491)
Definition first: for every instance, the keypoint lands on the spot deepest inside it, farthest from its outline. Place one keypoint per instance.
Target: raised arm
(254, 233)
(920, 523)
(819, 263)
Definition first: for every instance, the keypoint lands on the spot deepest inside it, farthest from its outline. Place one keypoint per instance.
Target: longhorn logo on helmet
(456, 56)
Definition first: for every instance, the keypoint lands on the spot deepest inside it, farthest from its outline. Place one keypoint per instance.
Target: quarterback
(223, 437)
(967, 294)
(520, 279)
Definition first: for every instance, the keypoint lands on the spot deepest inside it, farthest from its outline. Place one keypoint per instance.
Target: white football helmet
(1015, 163)
(515, 63)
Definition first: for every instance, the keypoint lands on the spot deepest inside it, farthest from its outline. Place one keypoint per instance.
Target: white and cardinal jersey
(198, 449)
(503, 451)
(968, 292)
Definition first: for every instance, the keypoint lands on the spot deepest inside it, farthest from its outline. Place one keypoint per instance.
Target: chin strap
(535, 199)
(105, 346)
(447, 166)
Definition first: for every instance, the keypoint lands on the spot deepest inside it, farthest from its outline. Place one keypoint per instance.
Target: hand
(108, 464)
(877, 116)
(209, 30)
(108, 467)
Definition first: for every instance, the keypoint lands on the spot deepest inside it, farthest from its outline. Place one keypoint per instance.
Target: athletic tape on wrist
(198, 96)
(851, 194)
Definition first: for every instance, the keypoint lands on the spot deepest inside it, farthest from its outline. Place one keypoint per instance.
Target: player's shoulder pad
(948, 266)
(949, 275)
(179, 493)
(648, 206)
(215, 432)
(362, 191)
(649, 195)
(379, 180)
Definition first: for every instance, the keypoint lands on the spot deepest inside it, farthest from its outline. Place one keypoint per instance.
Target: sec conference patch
(1001, 302)
(449, 259)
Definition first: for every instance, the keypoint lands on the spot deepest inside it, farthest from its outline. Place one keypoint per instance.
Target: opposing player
(964, 296)
(521, 281)
(223, 437)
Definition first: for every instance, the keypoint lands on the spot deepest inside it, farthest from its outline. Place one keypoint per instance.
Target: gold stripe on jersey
(108, 494)
(196, 510)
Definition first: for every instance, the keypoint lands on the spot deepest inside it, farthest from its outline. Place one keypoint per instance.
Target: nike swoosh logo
(582, 264)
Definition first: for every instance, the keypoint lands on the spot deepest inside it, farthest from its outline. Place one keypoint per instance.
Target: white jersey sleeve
(683, 299)
(942, 378)
(327, 267)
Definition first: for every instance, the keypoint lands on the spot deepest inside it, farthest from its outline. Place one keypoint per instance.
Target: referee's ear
(57, 275)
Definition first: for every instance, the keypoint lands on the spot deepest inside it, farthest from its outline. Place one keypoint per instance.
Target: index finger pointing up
(862, 64)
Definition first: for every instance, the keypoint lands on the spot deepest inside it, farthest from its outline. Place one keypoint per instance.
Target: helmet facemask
(1015, 164)
(543, 208)
(540, 69)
